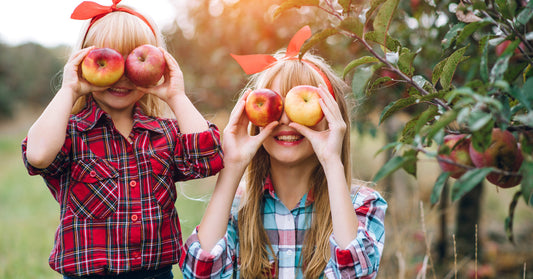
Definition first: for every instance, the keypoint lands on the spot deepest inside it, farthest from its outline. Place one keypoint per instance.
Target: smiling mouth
(119, 91)
(289, 138)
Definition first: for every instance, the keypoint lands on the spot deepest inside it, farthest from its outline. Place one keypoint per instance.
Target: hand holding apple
(263, 106)
(102, 66)
(302, 105)
(145, 65)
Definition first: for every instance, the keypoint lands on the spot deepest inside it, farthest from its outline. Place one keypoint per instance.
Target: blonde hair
(123, 32)
(255, 246)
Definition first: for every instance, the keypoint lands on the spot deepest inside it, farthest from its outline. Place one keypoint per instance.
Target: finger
(266, 131)
(304, 130)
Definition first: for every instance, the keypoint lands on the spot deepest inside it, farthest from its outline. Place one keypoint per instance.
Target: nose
(284, 119)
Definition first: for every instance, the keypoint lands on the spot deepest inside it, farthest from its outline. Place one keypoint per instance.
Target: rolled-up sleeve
(199, 155)
(362, 256)
(217, 263)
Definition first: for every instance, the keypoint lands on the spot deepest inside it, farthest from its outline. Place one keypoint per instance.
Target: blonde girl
(297, 215)
(111, 160)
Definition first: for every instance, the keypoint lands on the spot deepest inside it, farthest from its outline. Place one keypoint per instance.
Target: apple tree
(491, 93)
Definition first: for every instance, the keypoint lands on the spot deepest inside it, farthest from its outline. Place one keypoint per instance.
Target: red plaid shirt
(116, 198)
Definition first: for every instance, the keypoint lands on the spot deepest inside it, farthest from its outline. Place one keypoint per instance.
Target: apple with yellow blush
(102, 66)
(302, 105)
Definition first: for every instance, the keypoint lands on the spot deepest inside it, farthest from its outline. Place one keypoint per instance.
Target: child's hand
(239, 147)
(172, 85)
(72, 78)
(327, 144)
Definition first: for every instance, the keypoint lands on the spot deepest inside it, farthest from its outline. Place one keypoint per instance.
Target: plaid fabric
(116, 199)
(286, 229)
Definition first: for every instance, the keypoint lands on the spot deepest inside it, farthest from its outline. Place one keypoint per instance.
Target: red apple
(503, 153)
(102, 66)
(302, 105)
(145, 65)
(459, 153)
(263, 106)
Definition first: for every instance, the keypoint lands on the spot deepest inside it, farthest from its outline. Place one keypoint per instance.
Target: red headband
(94, 11)
(256, 63)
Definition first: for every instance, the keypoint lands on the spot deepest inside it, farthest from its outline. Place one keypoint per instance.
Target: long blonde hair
(255, 247)
(123, 32)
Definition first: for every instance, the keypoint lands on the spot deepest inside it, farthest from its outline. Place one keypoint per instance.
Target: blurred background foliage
(201, 38)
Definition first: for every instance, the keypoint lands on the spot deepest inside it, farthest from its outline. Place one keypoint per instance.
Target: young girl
(295, 216)
(111, 161)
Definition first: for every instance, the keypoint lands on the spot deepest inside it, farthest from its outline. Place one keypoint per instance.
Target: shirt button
(289, 252)
(134, 217)
(92, 173)
(133, 183)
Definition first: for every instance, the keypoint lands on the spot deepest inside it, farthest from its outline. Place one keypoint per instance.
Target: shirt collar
(89, 116)
(268, 188)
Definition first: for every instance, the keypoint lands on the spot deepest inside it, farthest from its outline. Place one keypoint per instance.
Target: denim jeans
(162, 273)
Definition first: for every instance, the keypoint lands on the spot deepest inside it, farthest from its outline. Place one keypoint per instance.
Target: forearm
(344, 218)
(47, 135)
(215, 220)
(190, 120)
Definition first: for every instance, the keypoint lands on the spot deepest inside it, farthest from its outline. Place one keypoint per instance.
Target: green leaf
(405, 62)
(358, 62)
(374, 5)
(379, 81)
(447, 118)
(468, 181)
(426, 116)
(437, 188)
(510, 219)
(527, 181)
(524, 95)
(482, 138)
(396, 106)
(361, 77)
(316, 38)
(449, 38)
(408, 132)
(471, 28)
(391, 166)
(390, 43)
(483, 63)
(353, 25)
(500, 67)
(448, 70)
(525, 15)
(410, 163)
(345, 4)
(289, 4)
(506, 8)
(383, 19)
(437, 71)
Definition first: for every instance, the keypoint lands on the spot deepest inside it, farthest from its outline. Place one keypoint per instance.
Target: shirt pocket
(163, 186)
(94, 190)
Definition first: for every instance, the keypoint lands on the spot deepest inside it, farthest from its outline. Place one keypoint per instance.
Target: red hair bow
(255, 63)
(94, 11)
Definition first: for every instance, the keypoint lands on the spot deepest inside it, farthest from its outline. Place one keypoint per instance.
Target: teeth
(288, 138)
(121, 90)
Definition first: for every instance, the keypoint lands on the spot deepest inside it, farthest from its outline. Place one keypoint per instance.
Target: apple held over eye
(102, 66)
(459, 146)
(503, 153)
(263, 106)
(145, 65)
(302, 105)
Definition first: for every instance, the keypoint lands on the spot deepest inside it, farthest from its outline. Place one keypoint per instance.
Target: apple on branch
(263, 106)
(302, 105)
(102, 66)
(145, 65)
(459, 153)
(503, 153)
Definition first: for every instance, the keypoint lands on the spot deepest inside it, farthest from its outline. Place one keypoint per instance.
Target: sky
(48, 22)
